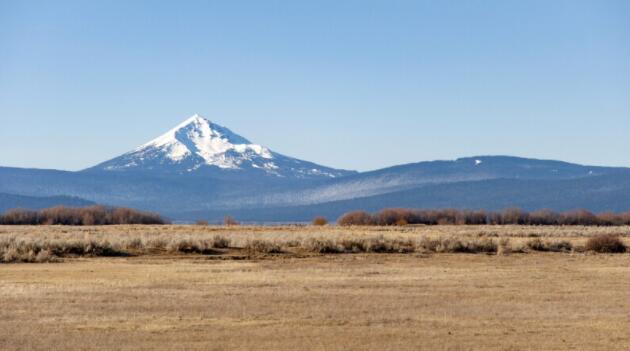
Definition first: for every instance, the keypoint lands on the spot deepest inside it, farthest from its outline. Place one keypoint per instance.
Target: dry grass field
(242, 295)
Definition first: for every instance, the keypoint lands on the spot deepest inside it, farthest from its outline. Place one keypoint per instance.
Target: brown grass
(193, 287)
(540, 301)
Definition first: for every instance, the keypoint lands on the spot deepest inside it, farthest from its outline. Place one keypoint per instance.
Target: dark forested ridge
(11, 201)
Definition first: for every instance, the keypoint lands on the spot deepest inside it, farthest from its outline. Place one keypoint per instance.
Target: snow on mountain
(197, 144)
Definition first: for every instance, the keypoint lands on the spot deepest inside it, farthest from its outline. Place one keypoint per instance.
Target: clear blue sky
(352, 84)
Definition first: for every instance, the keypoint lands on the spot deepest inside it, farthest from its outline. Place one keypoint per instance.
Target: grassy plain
(299, 299)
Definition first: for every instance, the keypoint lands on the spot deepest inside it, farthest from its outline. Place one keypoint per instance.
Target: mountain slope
(415, 175)
(598, 194)
(200, 146)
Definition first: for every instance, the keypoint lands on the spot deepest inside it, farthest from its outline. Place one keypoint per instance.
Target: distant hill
(10, 201)
(598, 194)
(421, 174)
(200, 169)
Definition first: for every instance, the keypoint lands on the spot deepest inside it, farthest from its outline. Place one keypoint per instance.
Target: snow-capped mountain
(198, 145)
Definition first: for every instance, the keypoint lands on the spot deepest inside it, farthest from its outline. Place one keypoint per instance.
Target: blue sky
(350, 84)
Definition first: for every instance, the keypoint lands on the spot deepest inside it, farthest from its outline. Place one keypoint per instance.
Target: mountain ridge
(12, 201)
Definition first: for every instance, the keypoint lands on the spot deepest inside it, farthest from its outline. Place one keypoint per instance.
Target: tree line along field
(104, 215)
(194, 287)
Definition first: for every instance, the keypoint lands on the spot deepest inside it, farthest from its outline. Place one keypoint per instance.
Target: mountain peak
(194, 119)
(197, 143)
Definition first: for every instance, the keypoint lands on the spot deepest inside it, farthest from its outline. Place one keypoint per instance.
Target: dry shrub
(11, 254)
(537, 245)
(186, 245)
(453, 245)
(220, 242)
(356, 218)
(351, 245)
(192, 245)
(158, 243)
(484, 245)
(33, 249)
(324, 246)
(393, 216)
(605, 243)
(133, 244)
(201, 222)
(377, 244)
(512, 216)
(292, 243)
(41, 251)
(504, 248)
(549, 245)
(230, 221)
(401, 222)
(382, 245)
(320, 221)
(262, 247)
(45, 256)
(93, 215)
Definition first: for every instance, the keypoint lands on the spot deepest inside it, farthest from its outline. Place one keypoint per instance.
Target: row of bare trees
(401, 216)
(93, 215)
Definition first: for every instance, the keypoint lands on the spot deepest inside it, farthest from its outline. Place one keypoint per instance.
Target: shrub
(453, 245)
(229, 221)
(393, 216)
(504, 247)
(485, 245)
(133, 244)
(262, 246)
(605, 243)
(324, 246)
(579, 217)
(93, 215)
(44, 256)
(201, 222)
(220, 242)
(11, 255)
(514, 216)
(382, 245)
(190, 245)
(553, 246)
(355, 218)
(320, 221)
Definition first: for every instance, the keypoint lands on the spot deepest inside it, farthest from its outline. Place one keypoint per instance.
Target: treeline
(93, 215)
(400, 216)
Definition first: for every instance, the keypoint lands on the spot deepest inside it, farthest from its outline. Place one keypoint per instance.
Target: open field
(232, 298)
(450, 301)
